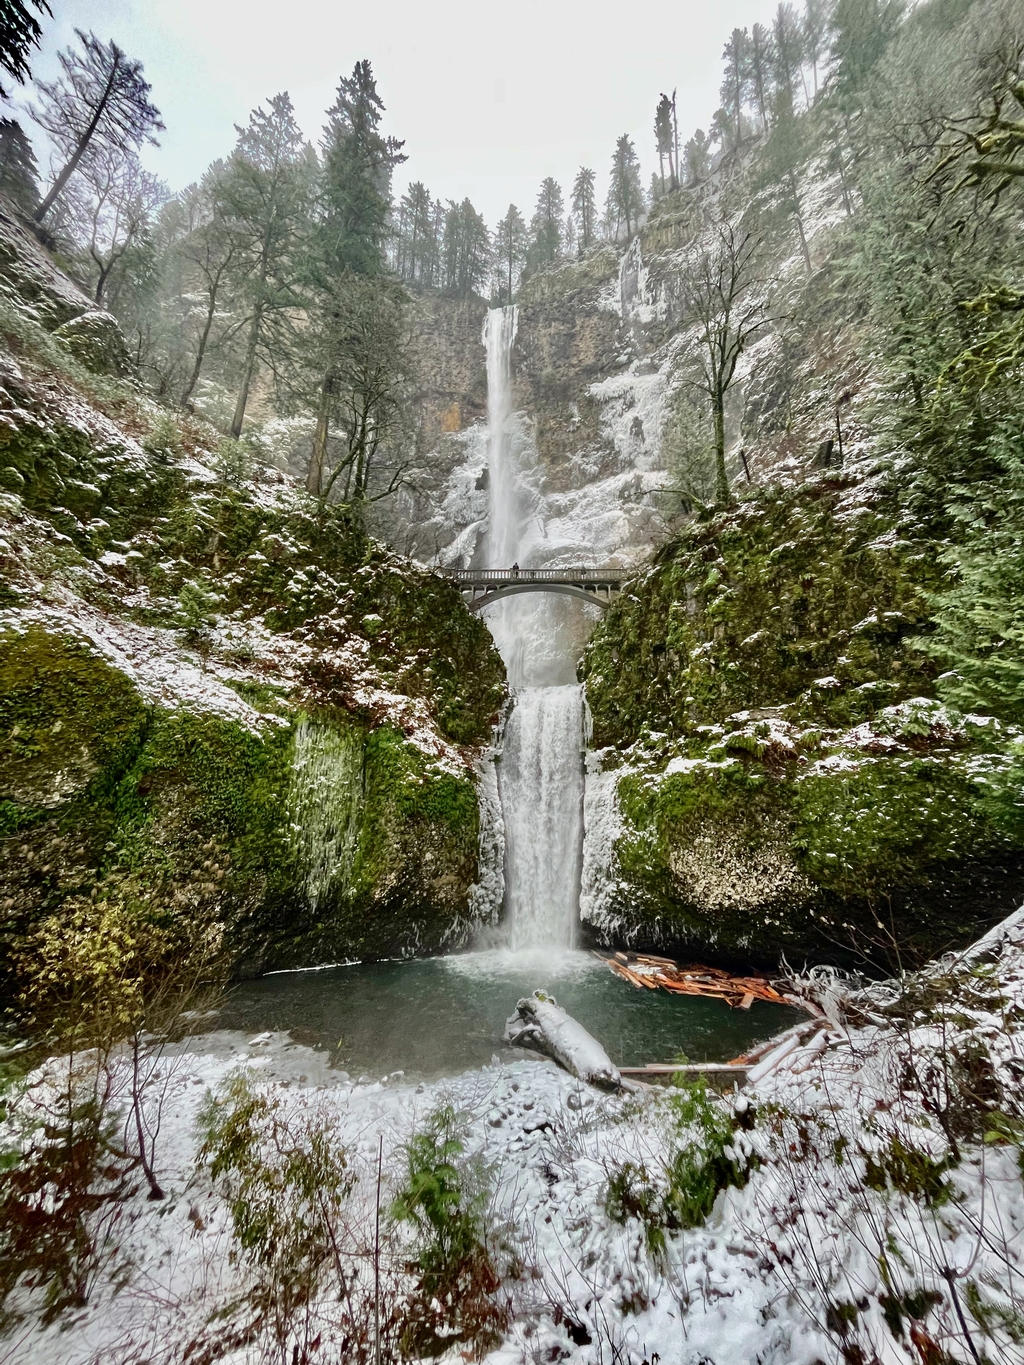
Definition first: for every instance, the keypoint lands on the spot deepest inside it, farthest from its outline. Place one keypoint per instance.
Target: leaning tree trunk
(247, 374)
(83, 143)
(201, 351)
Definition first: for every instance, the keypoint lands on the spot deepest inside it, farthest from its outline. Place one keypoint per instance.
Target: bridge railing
(569, 574)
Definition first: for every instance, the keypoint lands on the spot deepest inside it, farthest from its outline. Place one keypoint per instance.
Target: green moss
(753, 607)
(405, 844)
(891, 822)
(193, 815)
(66, 718)
(198, 814)
(748, 654)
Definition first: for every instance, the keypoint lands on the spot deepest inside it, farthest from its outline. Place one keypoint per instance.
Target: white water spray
(541, 776)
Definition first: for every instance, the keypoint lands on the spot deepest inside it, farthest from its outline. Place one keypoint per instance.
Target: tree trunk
(800, 224)
(722, 490)
(250, 366)
(101, 282)
(155, 1192)
(79, 152)
(201, 352)
(318, 456)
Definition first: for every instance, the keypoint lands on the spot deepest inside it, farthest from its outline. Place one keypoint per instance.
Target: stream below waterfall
(440, 1016)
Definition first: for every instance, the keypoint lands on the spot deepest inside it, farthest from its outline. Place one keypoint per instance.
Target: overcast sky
(489, 98)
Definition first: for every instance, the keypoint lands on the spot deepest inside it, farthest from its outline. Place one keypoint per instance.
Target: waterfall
(507, 509)
(541, 797)
(541, 777)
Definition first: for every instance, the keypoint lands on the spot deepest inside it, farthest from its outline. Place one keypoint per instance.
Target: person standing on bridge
(515, 570)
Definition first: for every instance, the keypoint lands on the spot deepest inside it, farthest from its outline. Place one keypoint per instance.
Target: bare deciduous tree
(118, 201)
(726, 300)
(209, 253)
(363, 392)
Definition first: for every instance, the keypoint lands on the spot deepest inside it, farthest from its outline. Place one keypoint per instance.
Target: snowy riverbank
(872, 1205)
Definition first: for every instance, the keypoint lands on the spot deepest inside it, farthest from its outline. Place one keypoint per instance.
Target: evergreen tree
(664, 136)
(466, 250)
(697, 158)
(735, 77)
(358, 164)
(780, 168)
(415, 234)
(787, 55)
(99, 102)
(207, 250)
(432, 260)
(546, 224)
(625, 192)
(760, 66)
(569, 236)
(510, 245)
(17, 166)
(584, 207)
(863, 30)
(19, 34)
(815, 30)
(350, 296)
(264, 198)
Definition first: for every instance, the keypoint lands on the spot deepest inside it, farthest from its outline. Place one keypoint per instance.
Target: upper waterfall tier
(506, 504)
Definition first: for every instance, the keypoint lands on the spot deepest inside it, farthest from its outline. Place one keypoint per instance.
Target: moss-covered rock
(66, 717)
(788, 782)
(309, 840)
(96, 340)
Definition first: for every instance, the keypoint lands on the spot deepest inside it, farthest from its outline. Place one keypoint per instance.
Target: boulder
(96, 340)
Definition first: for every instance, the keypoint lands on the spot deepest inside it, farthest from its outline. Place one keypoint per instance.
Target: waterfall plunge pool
(437, 1017)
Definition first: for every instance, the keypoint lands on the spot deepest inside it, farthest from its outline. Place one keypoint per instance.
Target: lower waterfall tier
(541, 784)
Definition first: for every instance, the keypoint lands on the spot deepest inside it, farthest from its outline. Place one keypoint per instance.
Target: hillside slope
(219, 699)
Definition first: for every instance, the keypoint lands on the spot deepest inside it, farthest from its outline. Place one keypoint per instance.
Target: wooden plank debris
(647, 972)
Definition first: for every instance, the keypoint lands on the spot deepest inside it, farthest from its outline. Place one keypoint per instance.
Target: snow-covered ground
(881, 1218)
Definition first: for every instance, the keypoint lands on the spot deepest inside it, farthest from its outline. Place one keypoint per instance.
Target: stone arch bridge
(481, 587)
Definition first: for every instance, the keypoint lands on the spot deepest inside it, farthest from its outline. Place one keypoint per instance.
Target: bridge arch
(514, 589)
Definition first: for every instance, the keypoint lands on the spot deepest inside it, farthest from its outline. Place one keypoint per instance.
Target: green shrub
(632, 1193)
(698, 1164)
(285, 1179)
(444, 1201)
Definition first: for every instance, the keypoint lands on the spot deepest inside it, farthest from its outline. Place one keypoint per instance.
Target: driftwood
(661, 973)
(540, 1024)
(685, 1069)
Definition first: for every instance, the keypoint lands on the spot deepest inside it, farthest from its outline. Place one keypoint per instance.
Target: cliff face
(448, 360)
(218, 698)
(588, 419)
(774, 769)
(775, 773)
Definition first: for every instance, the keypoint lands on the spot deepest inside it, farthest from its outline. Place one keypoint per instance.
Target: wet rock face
(28, 272)
(65, 717)
(448, 358)
(778, 775)
(563, 346)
